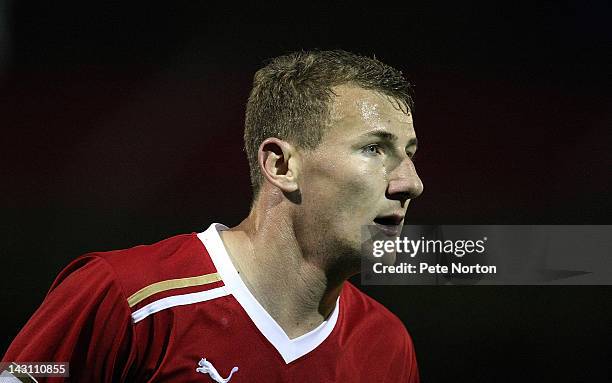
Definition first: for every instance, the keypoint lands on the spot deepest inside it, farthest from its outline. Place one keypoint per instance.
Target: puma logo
(207, 368)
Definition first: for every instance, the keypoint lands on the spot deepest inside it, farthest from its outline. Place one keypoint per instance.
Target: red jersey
(177, 311)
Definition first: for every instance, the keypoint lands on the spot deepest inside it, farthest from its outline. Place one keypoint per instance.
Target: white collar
(290, 349)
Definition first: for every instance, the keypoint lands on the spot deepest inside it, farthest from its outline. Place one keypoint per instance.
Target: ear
(279, 163)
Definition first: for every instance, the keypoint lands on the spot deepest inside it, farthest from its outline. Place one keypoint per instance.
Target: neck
(293, 287)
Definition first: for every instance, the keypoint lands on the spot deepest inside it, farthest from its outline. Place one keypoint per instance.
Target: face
(361, 173)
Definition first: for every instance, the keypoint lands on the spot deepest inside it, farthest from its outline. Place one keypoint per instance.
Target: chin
(388, 259)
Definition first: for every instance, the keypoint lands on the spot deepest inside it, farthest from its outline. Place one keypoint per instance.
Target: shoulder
(359, 302)
(363, 311)
(179, 263)
(381, 332)
(177, 257)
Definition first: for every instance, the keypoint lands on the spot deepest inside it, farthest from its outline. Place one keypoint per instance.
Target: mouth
(390, 225)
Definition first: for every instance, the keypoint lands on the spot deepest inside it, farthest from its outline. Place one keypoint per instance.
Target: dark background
(122, 124)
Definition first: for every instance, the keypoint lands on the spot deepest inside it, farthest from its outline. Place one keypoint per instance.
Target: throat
(295, 293)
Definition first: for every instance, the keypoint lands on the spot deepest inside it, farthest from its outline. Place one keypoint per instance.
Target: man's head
(292, 97)
(333, 132)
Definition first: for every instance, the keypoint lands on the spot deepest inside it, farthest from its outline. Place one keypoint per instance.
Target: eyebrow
(384, 135)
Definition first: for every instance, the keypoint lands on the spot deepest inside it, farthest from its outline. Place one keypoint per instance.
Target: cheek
(349, 185)
(367, 186)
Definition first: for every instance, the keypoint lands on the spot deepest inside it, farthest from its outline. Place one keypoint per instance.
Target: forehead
(356, 111)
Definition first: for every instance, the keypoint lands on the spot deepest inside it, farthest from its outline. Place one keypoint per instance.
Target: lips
(390, 225)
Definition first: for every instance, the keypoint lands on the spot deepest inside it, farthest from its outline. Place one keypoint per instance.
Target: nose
(404, 182)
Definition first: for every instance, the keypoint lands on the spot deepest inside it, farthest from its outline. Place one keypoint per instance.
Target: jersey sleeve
(84, 320)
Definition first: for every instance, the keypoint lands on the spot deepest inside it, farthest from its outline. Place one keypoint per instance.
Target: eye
(372, 149)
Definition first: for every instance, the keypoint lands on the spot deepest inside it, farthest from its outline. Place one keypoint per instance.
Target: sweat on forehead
(368, 105)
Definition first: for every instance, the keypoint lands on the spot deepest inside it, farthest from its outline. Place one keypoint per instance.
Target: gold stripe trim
(171, 284)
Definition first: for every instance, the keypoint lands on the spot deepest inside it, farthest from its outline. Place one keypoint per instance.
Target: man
(329, 139)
